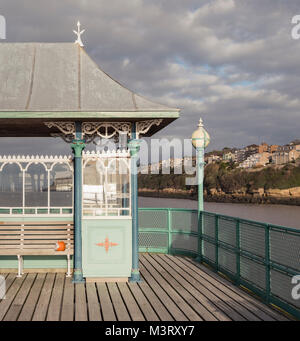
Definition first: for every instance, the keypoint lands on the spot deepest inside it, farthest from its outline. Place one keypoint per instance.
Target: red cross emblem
(107, 244)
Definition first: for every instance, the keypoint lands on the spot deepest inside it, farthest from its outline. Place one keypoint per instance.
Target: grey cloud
(231, 61)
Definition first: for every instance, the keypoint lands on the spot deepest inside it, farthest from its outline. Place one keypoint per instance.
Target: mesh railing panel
(208, 226)
(244, 260)
(285, 248)
(252, 238)
(184, 242)
(227, 231)
(153, 219)
(209, 251)
(185, 221)
(281, 286)
(253, 272)
(148, 240)
(227, 260)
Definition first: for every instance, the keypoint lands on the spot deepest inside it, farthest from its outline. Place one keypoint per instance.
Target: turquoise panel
(107, 247)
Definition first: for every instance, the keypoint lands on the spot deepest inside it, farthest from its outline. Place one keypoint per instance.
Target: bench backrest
(35, 237)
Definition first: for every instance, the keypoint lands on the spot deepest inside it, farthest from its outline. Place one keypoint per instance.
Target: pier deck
(173, 289)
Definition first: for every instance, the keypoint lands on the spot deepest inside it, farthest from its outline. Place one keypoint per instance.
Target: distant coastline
(255, 198)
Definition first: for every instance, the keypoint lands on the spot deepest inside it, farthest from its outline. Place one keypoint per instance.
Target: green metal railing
(261, 257)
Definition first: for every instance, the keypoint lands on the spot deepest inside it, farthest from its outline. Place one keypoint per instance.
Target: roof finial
(78, 33)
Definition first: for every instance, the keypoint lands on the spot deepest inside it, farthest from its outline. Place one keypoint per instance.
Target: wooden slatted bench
(36, 239)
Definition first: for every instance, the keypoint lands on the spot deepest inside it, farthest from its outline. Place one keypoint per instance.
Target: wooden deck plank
(67, 310)
(80, 303)
(176, 306)
(207, 299)
(242, 308)
(202, 307)
(173, 288)
(253, 305)
(119, 306)
(143, 303)
(54, 308)
(94, 311)
(161, 311)
(172, 309)
(17, 304)
(133, 308)
(224, 302)
(9, 279)
(105, 303)
(41, 309)
(10, 295)
(29, 306)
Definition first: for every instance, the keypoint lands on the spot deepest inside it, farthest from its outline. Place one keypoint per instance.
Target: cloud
(231, 61)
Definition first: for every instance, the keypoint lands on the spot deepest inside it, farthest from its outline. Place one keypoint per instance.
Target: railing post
(267, 262)
(238, 254)
(169, 231)
(200, 232)
(217, 241)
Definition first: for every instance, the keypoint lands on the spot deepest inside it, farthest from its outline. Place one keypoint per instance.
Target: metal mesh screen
(281, 287)
(283, 243)
(185, 242)
(227, 260)
(185, 221)
(148, 240)
(253, 272)
(227, 231)
(153, 219)
(208, 225)
(209, 251)
(285, 248)
(252, 238)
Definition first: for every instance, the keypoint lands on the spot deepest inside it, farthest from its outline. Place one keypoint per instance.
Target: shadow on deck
(173, 288)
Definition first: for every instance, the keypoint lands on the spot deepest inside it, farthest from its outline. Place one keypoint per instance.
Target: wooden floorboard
(171, 307)
(177, 297)
(94, 310)
(252, 304)
(41, 309)
(119, 306)
(80, 303)
(10, 295)
(224, 302)
(67, 310)
(56, 298)
(133, 308)
(19, 300)
(207, 309)
(107, 309)
(29, 306)
(172, 288)
(142, 302)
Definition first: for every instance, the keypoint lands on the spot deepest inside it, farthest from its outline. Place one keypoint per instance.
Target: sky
(232, 62)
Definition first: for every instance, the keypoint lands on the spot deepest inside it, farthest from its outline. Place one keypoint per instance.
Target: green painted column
(200, 178)
(134, 147)
(78, 145)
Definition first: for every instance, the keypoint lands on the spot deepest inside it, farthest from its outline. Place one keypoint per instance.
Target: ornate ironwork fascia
(43, 159)
(142, 127)
(67, 128)
(94, 128)
(66, 138)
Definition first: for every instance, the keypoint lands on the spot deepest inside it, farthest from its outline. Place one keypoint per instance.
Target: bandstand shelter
(57, 90)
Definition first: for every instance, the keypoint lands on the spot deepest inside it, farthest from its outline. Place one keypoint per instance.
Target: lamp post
(200, 140)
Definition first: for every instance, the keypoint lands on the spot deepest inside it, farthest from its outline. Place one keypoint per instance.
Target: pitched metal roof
(61, 77)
